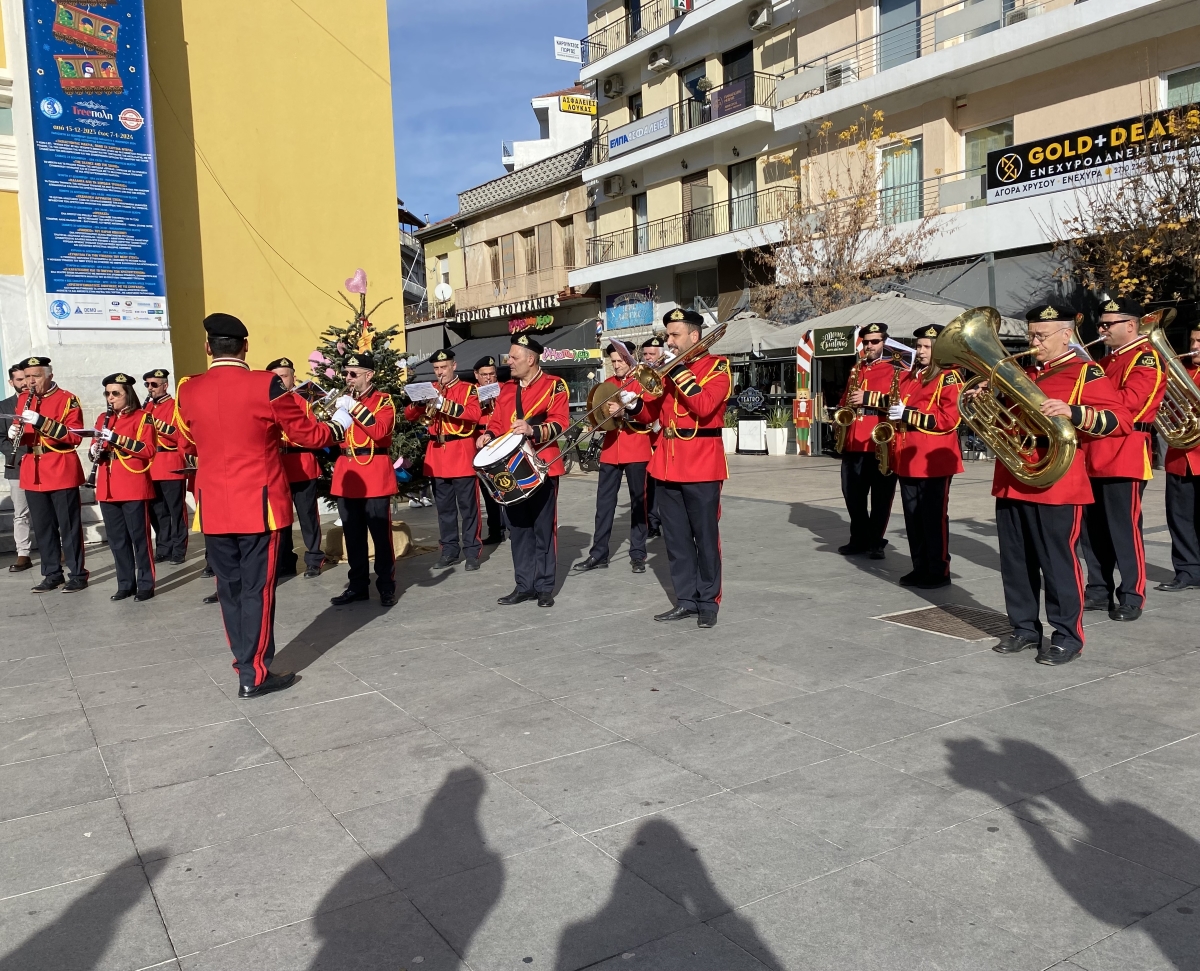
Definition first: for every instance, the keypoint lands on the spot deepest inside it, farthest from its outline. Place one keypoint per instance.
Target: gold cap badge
(1049, 314)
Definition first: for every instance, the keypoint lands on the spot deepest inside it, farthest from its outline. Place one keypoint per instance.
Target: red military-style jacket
(545, 404)
(364, 469)
(926, 444)
(450, 452)
(875, 379)
(52, 462)
(299, 464)
(236, 419)
(1137, 372)
(169, 455)
(692, 413)
(1096, 412)
(1178, 461)
(123, 474)
(630, 442)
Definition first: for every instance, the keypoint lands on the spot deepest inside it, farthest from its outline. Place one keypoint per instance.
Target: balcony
(613, 36)
(548, 282)
(755, 90)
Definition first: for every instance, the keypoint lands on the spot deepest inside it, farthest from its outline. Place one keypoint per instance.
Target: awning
(749, 333)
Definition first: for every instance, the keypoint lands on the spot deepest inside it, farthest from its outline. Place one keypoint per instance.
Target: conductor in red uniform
(926, 457)
(51, 475)
(168, 511)
(1183, 498)
(303, 475)
(867, 393)
(124, 451)
(1039, 527)
(624, 453)
(364, 483)
(449, 456)
(537, 406)
(236, 419)
(690, 466)
(1120, 467)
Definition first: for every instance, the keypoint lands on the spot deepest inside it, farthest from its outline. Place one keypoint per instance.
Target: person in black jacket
(13, 453)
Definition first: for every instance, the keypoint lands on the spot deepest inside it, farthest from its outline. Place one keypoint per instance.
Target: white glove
(345, 403)
(342, 417)
(668, 355)
(32, 418)
(896, 412)
(94, 451)
(437, 403)
(107, 434)
(628, 398)
(14, 432)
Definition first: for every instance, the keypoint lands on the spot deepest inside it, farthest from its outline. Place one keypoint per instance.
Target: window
(738, 62)
(978, 143)
(6, 124)
(901, 197)
(694, 95)
(493, 248)
(529, 250)
(697, 289)
(635, 106)
(743, 186)
(568, 243)
(443, 269)
(508, 256)
(641, 241)
(545, 245)
(899, 33)
(1183, 88)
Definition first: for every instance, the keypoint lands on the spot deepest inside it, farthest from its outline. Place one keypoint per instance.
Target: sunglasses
(874, 342)
(114, 394)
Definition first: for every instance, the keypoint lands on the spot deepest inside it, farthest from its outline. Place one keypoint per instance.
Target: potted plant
(777, 431)
(729, 432)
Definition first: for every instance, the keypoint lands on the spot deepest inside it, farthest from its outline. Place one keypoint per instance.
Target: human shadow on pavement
(449, 840)
(573, 543)
(325, 632)
(80, 937)
(1008, 772)
(659, 854)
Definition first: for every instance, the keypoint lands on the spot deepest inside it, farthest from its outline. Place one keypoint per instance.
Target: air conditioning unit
(760, 18)
(614, 86)
(1021, 14)
(614, 186)
(839, 74)
(660, 58)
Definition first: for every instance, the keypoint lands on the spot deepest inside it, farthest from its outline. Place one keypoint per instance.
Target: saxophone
(844, 417)
(884, 434)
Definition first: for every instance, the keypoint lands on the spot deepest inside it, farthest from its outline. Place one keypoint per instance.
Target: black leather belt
(689, 433)
(1142, 426)
(296, 450)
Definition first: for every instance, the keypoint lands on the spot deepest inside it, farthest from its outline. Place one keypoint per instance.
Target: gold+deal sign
(1087, 157)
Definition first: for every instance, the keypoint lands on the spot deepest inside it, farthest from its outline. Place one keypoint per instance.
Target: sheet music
(489, 391)
(421, 391)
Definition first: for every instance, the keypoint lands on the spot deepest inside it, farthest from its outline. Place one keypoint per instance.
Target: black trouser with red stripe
(652, 519)
(127, 526)
(168, 516)
(533, 535)
(1183, 521)
(1037, 544)
(861, 479)
(607, 491)
(458, 498)
(1112, 540)
(360, 516)
(691, 513)
(245, 565)
(927, 522)
(304, 498)
(58, 526)
(495, 516)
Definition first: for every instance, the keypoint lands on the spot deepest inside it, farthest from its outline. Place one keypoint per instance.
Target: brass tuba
(970, 341)
(1178, 418)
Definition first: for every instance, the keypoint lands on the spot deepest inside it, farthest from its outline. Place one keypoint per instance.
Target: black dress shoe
(876, 554)
(143, 595)
(75, 584)
(654, 533)
(121, 595)
(1059, 655)
(1015, 644)
(638, 566)
(591, 563)
(1125, 612)
(207, 573)
(23, 563)
(312, 573)
(212, 598)
(445, 562)
(1091, 603)
(160, 557)
(349, 596)
(48, 583)
(910, 579)
(851, 549)
(388, 599)
(545, 600)
(706, 618)
(471, 565)
(272, 682)
(1179, 583)
(178, 559)
(517, 597)
(676, 613)
(493, 539)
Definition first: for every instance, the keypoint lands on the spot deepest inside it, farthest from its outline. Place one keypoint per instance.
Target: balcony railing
(927, 34)
(651, 15)
(526, 286)
(749, 91)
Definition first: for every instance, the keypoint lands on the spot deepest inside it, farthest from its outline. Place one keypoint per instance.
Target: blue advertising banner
(94, 144)
(634, 308)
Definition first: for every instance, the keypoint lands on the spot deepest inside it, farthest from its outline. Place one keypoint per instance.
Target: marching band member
(690, 466)
(652, 351)
(364, 483)
(51, 475)
(867, 393)
(124, 452)
(303, 475)
(449, 455)
(537, 406)
(1183, 498)
(486, 374)
(13, 453)
(1039, 527)
(1120, 466)
(624, 453)
(236, 419)
(927, 456)
(168, 511)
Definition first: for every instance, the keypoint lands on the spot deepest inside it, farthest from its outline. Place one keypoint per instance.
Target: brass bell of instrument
(1178, 418)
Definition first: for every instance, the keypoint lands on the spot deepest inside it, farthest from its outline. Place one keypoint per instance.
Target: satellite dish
(443, 292)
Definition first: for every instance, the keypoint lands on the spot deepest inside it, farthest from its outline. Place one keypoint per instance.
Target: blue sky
(463, 72)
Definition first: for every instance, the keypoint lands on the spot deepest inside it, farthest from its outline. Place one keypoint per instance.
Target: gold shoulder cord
(137, 437)
(383, 399)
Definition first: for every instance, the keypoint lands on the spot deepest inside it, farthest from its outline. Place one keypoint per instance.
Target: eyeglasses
(1042, 338)
(873, 342)
(114, 394)
(350, 374)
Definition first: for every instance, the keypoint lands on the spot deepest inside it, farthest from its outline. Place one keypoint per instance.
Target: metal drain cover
(953, 620)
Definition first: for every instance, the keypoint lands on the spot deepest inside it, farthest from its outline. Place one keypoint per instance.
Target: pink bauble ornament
(358, 282)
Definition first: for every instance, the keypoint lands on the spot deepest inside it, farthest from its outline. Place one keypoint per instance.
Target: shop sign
(833, 341)
(1089, 156)
(731, 98)
(651, 128)
(540, 322)
(574, 105)
(750, 400)
(559, 355)
(633, 308)
(517, 309)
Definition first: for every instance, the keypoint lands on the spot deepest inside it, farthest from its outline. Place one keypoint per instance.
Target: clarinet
(110, 418)
(31, 399)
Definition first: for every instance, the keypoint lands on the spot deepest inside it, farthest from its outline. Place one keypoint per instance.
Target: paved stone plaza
(457, 784)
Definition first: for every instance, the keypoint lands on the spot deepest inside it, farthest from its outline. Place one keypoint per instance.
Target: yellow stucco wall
(3, 61)
(10, 236)
(274, 135)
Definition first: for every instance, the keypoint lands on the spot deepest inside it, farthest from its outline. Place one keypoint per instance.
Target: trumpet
(844, 417)
(884, 433)
(1178, 418)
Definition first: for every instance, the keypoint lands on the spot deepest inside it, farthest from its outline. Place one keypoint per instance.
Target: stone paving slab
(453, 784)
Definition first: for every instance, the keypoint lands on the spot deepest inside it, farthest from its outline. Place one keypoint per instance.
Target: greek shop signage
(1086, 157)
(652, 128)
(94, 148)
(540, 322)
(634, 308)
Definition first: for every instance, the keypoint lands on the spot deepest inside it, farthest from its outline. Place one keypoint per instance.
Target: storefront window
(1183, 88)
(979, 142)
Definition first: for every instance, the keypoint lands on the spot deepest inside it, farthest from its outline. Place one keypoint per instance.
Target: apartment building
(707, 107)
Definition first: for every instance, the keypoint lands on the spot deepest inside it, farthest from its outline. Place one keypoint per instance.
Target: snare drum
(509, 469)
